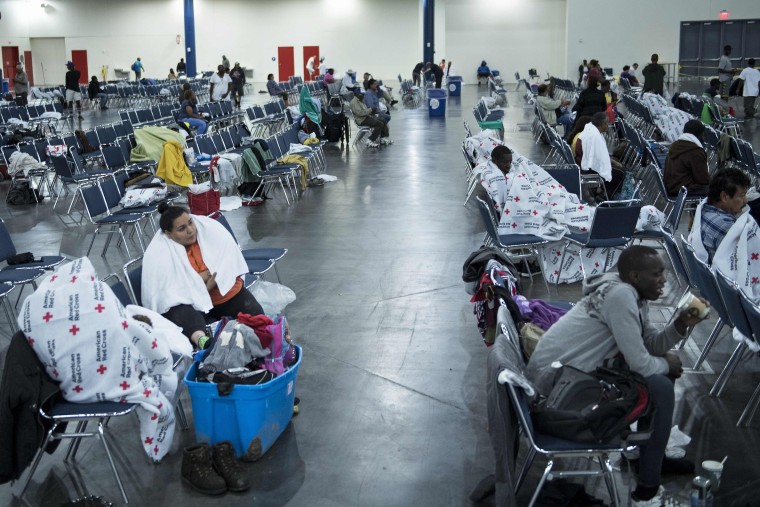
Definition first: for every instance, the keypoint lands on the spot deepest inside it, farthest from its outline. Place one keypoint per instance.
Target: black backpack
(334, 126)
(595, 407)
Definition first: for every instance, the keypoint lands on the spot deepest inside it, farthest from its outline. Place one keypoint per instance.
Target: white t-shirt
(751, 77)
(220, 85)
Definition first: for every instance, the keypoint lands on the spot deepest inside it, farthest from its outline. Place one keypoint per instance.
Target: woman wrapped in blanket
(193, 268)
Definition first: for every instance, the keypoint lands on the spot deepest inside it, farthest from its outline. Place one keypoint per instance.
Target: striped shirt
(715, 225)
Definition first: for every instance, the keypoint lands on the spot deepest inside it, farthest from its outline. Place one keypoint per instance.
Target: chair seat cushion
(520, 239)
(552, 443)
(125, 218)
(16, 276)
(67, 409)
(258, 265)
(139, 209)
(5, 288)
(46, 262)
(267, 254)
(249, 280)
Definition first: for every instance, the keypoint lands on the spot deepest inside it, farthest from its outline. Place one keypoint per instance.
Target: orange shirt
(196, 261)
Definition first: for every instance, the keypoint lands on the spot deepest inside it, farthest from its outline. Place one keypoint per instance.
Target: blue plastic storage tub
(251, 417)
(436, 102)
(455, 86)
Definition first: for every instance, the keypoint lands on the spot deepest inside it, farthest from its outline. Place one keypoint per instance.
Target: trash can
(5, 86)
(455, 86)
(436, 102)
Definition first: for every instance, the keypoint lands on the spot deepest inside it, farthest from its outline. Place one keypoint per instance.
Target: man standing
(322, 65)
(416, 73)
(21, 85)
(686, 163)
(225, 63)
(750, 77)
(612, 322)
(725, 71)
(364, 117)
(72, 88)
(138, 68)
(436, 72)
(237, 76)
(221, 84)
(181, 67)
(654, 75)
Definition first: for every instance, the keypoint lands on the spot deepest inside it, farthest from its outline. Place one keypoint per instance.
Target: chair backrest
(133, 274)
(730, 293)
(568, 176)
(614, 222)
(113, 156)
(705, 281)
(110, 189)
(674, 218)
(489, 221)
(93, 199)
(106, 134)
(119, 289)
(219, 217)
(752, 312)
(61, 167)
(674, 253)
(7, 248)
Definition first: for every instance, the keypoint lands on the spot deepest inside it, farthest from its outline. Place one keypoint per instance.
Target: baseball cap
(69, 64)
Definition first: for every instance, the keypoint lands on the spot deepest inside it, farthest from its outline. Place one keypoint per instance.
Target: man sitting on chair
(686, 163)
(612, 322)
(552, 106)
(365, 117)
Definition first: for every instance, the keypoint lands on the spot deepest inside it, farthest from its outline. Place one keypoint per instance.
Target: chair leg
(547, 471)
(728, 370)
(102, 436)
(74, 444)
(710, 342)
(37, 458)
(524, 469)
(749, 411)
(609, 478)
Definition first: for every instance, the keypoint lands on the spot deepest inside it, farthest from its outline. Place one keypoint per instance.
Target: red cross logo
(74, 330)
(755, 256)
(55, 373)
(78, 389)
(517, 199)
(155, 449)
(596, 264)
(73, 278)
(755, 280)
(124, 385)
(154, 417)
(556, 272)
(154, 344)
(161, 405)
(30, 340)
(506, 211)
(552, 186)
(554, 204)
(548, 193)
(535, 212)
(47, 317)
(514, 225)
(92, 278)
(100, 308)
(124, 325)
(580, 208)
(584, 229)
(146, 393)
(101, 369)
(52, 278)
(148, 440)
(559, 253)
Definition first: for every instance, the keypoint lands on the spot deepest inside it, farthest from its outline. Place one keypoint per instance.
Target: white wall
(511, 35)
(48, 58)
(620, 32)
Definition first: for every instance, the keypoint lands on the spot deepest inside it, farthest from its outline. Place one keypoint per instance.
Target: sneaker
(315, 182)
(394, 102)
(228, 466)
(198, 472)
(372, 144)
(654, 501)
(385, 141)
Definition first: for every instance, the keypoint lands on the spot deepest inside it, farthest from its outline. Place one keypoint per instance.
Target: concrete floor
(392, 384)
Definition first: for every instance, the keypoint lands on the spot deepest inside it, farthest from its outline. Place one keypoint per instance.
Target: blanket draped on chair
(88, 342)
(172, 168)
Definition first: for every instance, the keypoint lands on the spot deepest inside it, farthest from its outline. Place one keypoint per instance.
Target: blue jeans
(200, 125)
(384, 116)
(662, 392)
(567, 122)
(103, 97)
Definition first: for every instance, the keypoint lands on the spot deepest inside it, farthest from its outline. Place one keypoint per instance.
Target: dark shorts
(236, 90)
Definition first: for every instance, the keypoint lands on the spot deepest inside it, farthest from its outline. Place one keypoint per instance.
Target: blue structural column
(428, 30)
(190, 38)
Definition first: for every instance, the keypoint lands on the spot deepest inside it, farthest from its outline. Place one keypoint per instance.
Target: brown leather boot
(198, 471)
(228, 466)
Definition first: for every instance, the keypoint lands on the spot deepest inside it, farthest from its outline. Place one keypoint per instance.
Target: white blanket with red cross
(98, 352)
(669, 120)
(738, 257)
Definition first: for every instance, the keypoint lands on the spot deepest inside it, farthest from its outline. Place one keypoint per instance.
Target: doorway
(308, 52)
(285, 62)
(10, 60)
(79, 57)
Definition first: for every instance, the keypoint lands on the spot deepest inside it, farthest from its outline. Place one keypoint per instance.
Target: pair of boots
(213, 470)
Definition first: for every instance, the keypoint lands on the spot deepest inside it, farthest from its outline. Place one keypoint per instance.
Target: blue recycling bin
(436, 102)
(5, 86)
(455, 86)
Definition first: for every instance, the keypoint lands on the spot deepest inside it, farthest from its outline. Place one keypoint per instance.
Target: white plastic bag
(273, 297)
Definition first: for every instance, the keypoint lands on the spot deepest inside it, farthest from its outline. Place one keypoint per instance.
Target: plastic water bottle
(701, 492)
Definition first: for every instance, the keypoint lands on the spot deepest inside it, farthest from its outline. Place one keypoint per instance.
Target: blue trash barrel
(5, 86)
(436, 102)
(455, 86)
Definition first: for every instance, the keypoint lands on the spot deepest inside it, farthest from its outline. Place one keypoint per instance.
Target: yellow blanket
(297, 159)
(172, 168)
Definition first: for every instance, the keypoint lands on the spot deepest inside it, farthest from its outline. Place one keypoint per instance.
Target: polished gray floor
(393, 378)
